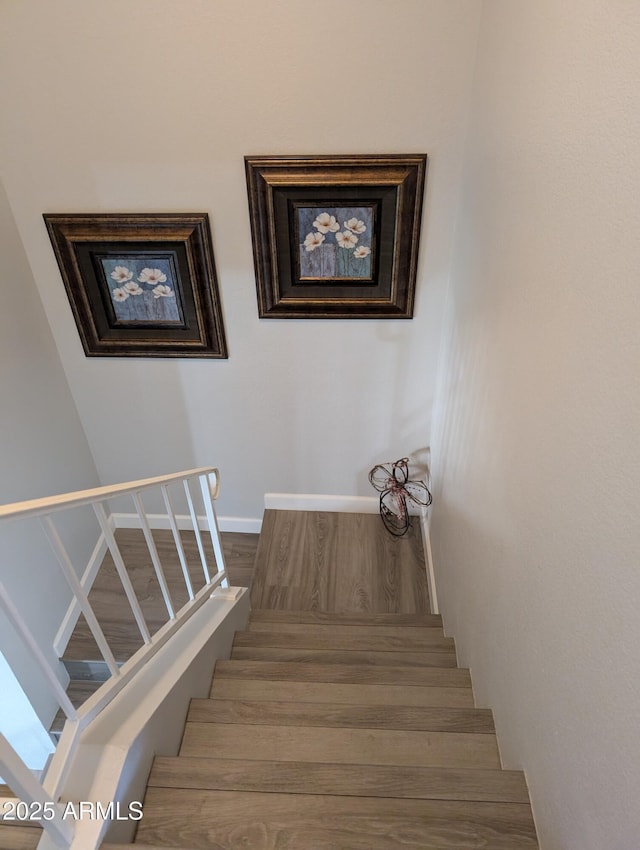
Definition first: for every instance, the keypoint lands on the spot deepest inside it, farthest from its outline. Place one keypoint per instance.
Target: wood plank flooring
(338, 694)
(338, 563)
(299, 755)
(111, 607)
(347, 673)
(261, 712)
(341, 720)
(19, 837)
(223, 819)
(350, 780)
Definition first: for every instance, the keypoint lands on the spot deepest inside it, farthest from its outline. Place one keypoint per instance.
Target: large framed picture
(336, 236)
(140, 285)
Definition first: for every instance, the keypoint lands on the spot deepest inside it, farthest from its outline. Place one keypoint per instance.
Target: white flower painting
(161, 291)
(142, 289)
(121, 274)
(152, 276)
(326, 223)
(355, 226)
(313, 241)
(346, 239)
(329, 252)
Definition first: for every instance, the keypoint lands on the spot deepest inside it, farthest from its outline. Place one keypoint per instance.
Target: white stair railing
(15, 773)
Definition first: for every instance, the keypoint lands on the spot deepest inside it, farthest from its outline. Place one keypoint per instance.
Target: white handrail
(26, 785)
(51, 504)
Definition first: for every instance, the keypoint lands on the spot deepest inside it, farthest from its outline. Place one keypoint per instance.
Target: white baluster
(78, 591)
(196, 531)
(25, 633)
(155, 558)
(122, 570)
(208, 496)
(24, 784)
(177, 539)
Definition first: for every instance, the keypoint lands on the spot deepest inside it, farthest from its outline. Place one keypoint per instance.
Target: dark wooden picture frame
(336, 236)
(140, 285)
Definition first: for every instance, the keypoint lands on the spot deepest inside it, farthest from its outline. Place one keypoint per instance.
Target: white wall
(537, 463)
(44, 451)
(151, 106)
(19, 723)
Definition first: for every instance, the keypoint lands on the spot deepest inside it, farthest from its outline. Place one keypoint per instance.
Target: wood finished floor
(338, 563)
(341, 720)
(111, 607)
(303, 561)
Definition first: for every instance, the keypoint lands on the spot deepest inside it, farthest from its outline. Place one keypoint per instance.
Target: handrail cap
(49, 504)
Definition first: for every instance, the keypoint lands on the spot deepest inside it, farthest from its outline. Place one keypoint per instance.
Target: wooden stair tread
(340, 694)
(346, 673)
(78, 691)
(353, 780)
(340, 745)
(325, 714)
(18, 838)
(269, 615)
(137, 846)
(334, 656)
(236, 819)
(348, 638)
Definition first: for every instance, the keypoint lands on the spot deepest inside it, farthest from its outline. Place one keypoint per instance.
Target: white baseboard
(241, 524)
(315, 502)
(244, 525)
(359, 505)
(428, 559)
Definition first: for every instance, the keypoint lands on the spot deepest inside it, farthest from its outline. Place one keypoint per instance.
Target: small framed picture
(140, 285)
(336, 236)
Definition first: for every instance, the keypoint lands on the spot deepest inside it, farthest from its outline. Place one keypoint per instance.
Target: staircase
(86, 676)
(341, 720)
(338, 732)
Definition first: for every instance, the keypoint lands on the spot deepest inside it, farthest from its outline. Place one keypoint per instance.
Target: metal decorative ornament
(392, 482)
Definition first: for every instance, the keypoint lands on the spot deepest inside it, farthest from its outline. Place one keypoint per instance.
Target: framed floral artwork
(140, 285)
(336, 236)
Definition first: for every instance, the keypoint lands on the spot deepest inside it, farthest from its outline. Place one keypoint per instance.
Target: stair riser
(338, 716)
(311, 692)
(418, 783)
(219, 819)
(342, 746)
(355, 674)
(327, 656)
(431, 641)
(266, 615)
(19, 838)
(420, 634)
(88, 671)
